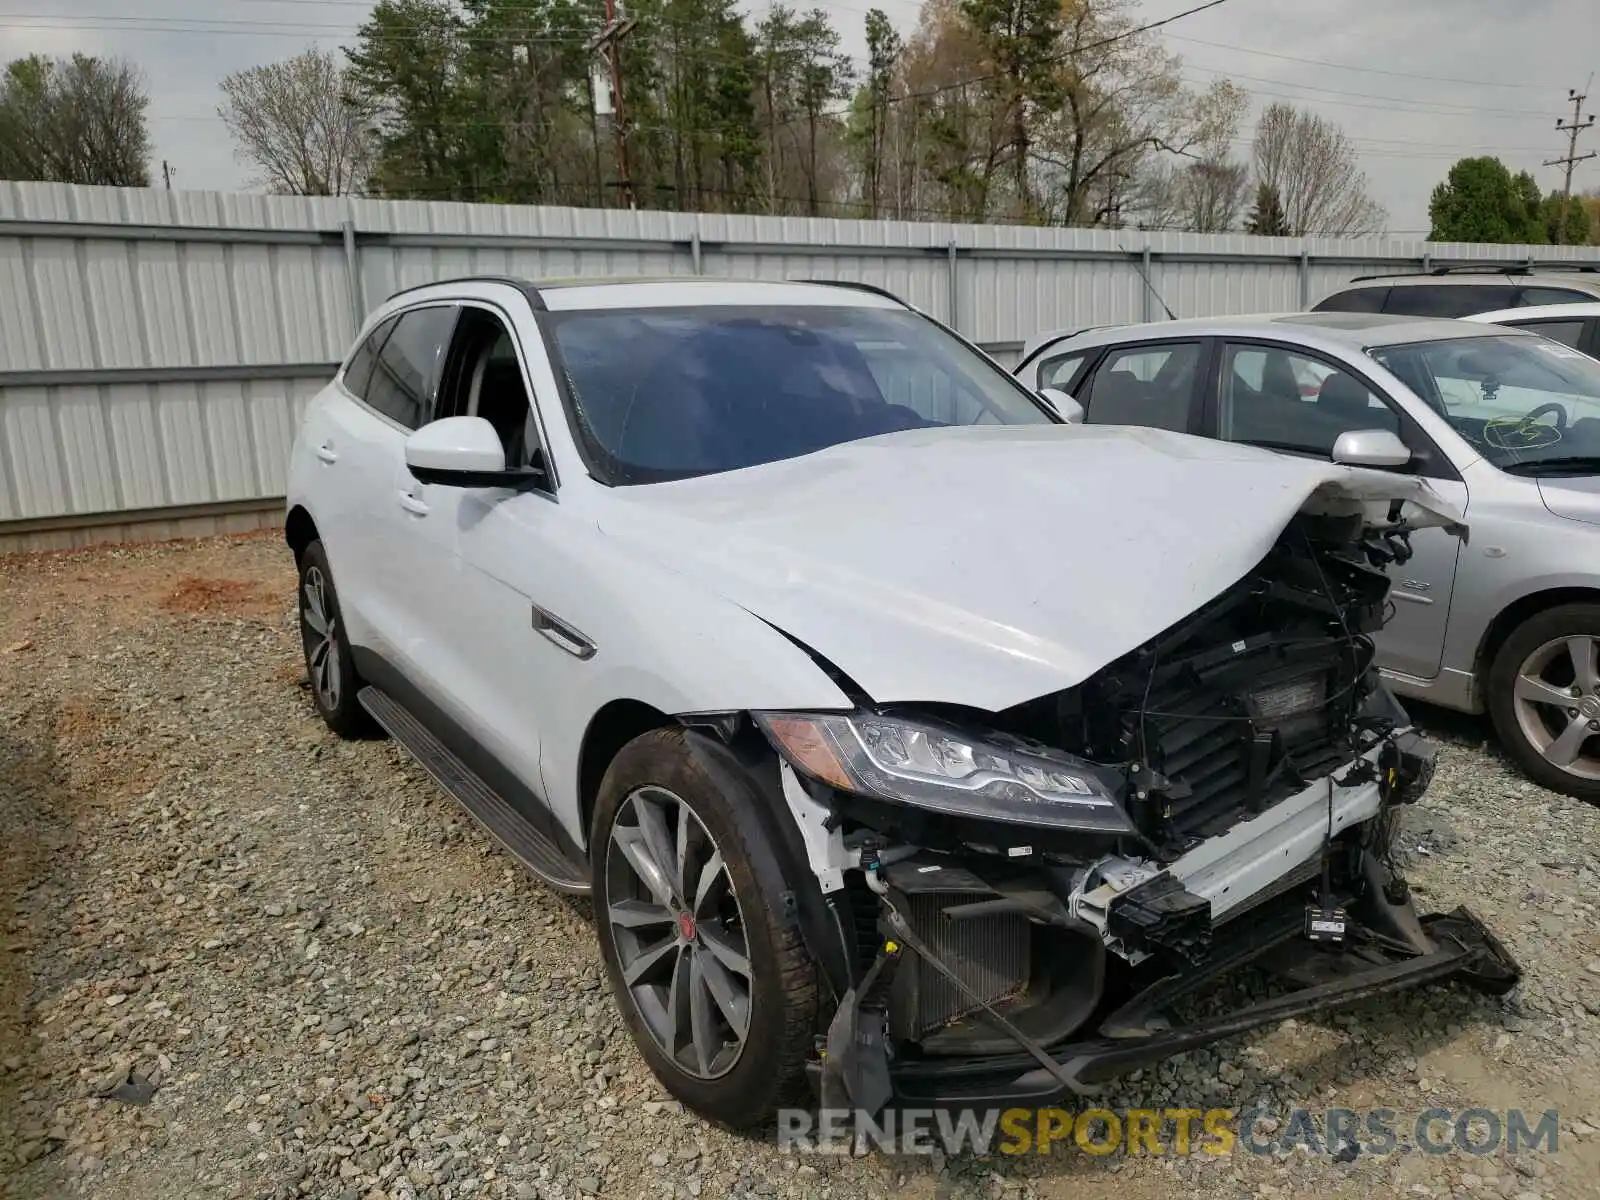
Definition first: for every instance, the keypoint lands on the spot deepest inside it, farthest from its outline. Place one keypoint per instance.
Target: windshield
(1528, 404)
(669, 393)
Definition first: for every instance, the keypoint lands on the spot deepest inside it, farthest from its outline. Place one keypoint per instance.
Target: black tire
(1567, 620)
(768, 1071)
(332, 691)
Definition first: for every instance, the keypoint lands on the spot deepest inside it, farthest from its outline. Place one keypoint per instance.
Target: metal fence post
(1149, 291)
(352, 270)
(954, 285)
(1305, 277)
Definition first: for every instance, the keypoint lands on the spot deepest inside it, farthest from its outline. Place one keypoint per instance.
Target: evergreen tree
(1266, 214)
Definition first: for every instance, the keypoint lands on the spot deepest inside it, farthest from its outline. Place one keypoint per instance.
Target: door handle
(327, 453)
(414, 504)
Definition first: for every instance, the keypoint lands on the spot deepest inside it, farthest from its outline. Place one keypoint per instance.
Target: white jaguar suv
(913, 743)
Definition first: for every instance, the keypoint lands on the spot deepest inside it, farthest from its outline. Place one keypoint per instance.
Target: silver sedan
(1503, 423)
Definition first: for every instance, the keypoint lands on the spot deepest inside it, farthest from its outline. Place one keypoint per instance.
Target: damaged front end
(1017, 900)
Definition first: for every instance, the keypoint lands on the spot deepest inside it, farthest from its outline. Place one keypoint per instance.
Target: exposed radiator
(989, 954)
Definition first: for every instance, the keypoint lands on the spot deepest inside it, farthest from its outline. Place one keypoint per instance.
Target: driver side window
(1272, 396)
(483, 377)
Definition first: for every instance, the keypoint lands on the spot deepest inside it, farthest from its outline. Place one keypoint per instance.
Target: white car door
(395, 400)
(473, 645)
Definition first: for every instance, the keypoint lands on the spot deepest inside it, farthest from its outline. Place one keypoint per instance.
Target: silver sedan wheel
(678, 932)
(1557, 703)
(319, 631)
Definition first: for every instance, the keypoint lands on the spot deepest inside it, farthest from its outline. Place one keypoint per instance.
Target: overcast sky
(1416, 83)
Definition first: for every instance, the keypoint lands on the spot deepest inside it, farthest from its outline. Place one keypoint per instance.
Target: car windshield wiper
(1565, 464)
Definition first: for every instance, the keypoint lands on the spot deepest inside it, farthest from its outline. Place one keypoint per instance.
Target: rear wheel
(714, 984)
(329, 667)
(1544, 698)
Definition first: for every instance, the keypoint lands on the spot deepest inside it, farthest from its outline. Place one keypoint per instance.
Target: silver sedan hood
(988, 566)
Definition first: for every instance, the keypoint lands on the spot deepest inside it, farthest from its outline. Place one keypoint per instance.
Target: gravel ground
(336, 986)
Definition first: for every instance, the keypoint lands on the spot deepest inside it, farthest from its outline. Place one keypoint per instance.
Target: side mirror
(464, 452)
(1370, 448)
(1065, 407)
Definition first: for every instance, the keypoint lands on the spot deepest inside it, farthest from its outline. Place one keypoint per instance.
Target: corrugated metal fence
(156, 348)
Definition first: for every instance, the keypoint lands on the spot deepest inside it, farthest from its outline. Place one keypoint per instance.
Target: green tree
(1266, 214)
(689, 88)
(800, 72)
(871, 118)
(1481, 201)
(1576, 222)
(74, 120)
(432, 138)
(520, 73)
(1021, 41)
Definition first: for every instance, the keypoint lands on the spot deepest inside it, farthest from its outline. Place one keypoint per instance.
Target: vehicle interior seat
(503, 402)
(1347, 404)
(1122, 398)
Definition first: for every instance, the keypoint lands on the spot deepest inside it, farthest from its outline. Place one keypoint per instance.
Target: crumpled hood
(987, 566)
(1576, 499)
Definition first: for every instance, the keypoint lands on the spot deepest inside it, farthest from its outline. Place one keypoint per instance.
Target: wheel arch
(1514, 614)
(299, 530)
(613, 726)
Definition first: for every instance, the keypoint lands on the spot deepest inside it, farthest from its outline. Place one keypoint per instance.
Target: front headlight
(943, 769)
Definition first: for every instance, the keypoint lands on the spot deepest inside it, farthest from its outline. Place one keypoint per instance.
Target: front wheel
(329, 667)
(715, 986)
(1544, 698)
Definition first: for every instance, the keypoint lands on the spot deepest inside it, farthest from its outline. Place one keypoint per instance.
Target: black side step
(503, 823)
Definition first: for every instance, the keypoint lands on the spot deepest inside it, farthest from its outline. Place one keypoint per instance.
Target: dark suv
(1464, 290)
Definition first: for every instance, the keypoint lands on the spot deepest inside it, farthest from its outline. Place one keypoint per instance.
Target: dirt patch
(221, 597)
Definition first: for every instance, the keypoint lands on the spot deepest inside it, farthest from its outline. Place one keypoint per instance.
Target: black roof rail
(527, 287)
(1519, 267)
(855, 285)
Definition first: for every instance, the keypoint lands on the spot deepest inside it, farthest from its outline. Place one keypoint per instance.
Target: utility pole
(609, 43)
(1572, 129)
(166, 173)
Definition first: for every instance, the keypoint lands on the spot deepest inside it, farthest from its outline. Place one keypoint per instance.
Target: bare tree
(1202, 188)
(301, 124)
(76, 120)
(1205, 196)
(1312, 166)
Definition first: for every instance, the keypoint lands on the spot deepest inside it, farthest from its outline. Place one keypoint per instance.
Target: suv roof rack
(1520, 267)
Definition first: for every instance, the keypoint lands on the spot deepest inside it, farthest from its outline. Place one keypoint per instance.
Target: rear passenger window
(1567, 332)
(1364, 300)
(1449, 300)
(1529, 296)
(359, 372)
(1145, 385)
(408, 365)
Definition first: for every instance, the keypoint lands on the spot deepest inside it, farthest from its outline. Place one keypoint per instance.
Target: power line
(1318, 62)
(1572, 129)
(1440, 108)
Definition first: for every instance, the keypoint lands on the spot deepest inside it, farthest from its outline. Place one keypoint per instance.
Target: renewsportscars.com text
(1337, 1132)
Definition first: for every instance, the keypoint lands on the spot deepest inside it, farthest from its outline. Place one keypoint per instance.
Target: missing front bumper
(859, 1072)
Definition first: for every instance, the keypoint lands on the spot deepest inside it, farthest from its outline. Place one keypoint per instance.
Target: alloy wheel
(678, 931)
(1557, 703)
(319, 628)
